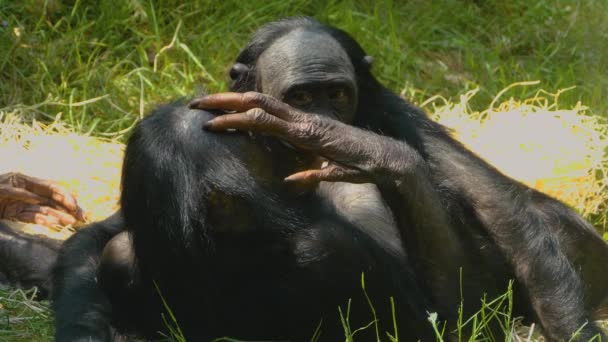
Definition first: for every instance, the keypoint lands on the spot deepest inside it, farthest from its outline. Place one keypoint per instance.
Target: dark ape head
(322, 69)
(308, 65)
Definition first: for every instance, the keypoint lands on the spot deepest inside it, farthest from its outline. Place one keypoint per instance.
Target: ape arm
(355, 155)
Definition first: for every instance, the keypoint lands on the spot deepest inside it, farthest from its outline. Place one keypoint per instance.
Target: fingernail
(295, 178)
(196, 104)
(208, 125)
(81, 214)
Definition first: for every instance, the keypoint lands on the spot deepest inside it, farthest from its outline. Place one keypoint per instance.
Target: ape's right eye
(299, 98)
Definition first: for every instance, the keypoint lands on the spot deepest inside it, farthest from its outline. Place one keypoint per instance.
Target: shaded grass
(23, 319)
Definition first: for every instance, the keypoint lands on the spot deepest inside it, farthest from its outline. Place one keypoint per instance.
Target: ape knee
(117, 271)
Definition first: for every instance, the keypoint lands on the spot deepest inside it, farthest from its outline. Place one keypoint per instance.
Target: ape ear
(237, 70)
(368, 61)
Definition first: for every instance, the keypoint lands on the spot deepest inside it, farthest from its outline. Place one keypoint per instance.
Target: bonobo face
(310, 71)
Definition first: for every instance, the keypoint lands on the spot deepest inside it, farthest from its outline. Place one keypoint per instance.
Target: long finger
(37, 218)
(331, 173)
(45, 214)
(20, 194)
(51, 191)
(255, 120)
(79, 214)
(242, 102)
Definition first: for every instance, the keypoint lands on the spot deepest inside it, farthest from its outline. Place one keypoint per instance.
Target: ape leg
(133, 306)
(82, 311)
(26, 260)
(117, 270)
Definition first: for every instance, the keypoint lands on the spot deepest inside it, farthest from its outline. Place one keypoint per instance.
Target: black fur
(26, 260)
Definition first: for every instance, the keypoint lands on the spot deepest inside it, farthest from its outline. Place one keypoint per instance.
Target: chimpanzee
(262, 233)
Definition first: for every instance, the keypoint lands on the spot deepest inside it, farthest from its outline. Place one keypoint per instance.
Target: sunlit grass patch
(87, 166)
(559, 151)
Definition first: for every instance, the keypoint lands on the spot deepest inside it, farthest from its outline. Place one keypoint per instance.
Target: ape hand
(33, 200)
(354, 155)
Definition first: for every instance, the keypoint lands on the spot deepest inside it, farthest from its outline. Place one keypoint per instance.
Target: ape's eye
(338, 94)
(299, 98)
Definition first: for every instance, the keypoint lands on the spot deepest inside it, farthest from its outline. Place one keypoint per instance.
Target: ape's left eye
(299, 98)
(338, 94)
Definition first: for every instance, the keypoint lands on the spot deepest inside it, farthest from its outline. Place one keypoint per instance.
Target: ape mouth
(317, 162)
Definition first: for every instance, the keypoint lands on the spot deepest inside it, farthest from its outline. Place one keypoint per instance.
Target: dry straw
(561, 152)
(88, 167)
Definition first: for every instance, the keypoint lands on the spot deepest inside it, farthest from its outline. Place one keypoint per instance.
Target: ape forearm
(524, 230)
(424, 223)
(421, 204)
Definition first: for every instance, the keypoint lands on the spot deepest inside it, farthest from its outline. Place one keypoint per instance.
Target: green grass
(101, 65)
(22, 319)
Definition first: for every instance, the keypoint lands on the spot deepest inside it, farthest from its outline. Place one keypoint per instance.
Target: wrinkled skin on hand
(34, 200)
(353, 155)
